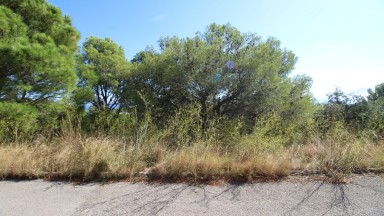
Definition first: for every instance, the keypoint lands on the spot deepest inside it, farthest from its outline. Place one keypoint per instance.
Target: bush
(376, 119)
(57, 117)
(17, 121)
(185, 127)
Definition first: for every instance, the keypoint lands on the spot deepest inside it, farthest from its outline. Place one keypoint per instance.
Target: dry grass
(77, 158)
(84, 159)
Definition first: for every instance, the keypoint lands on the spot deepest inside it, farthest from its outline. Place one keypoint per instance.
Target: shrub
(17, 121)
(57, 117)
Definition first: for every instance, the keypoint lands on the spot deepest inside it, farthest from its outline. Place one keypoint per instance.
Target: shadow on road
(319, 198)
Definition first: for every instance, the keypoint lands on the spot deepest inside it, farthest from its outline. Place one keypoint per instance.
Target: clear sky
(340, 43)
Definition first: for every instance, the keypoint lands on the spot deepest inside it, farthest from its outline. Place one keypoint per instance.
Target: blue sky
(340, 43)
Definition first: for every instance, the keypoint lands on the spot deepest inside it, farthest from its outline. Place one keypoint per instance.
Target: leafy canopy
(225, 71)
(102, 66)
(37, 45)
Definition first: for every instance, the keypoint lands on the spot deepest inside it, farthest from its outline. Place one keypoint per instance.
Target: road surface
(363, 195)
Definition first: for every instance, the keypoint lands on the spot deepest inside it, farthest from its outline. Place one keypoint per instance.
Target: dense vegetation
(219, 105)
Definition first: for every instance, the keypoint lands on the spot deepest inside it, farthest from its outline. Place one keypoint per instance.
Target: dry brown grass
(96, 158)
(84, 159)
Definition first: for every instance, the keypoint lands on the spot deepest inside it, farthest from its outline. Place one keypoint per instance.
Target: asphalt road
(363, 195)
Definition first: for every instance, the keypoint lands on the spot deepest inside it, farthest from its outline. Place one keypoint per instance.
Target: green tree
(356, 112)
(102, 66)
(223, 70)
(37, 47)
(336, 107)
(377, 93)
(349, 110)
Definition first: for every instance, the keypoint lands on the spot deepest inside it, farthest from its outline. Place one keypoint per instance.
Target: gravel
(363, 195)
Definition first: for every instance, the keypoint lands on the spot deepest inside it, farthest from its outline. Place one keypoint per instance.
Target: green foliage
(356, 113)
(375, 121)
(100, 121)
(194, 70)
(17, 121)
(56, 117)
(377, 93)
(12, 27)
(269, 132)
(157, 79)
(37, 45)
(185, 127)
(223, 131)
(274, 131)
(101, 68)
(122, 125)
(351, 111)
(42, 17)
(360, 116)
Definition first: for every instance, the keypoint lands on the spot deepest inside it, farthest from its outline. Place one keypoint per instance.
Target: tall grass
(138, 150)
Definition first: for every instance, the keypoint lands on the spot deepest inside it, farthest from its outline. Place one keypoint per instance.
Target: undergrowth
(184, 152)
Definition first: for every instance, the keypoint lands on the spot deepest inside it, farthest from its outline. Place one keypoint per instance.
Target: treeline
(221, 83)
